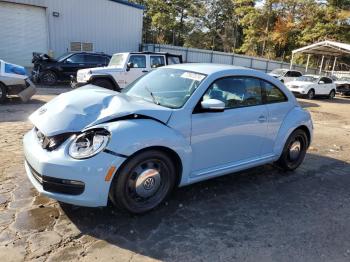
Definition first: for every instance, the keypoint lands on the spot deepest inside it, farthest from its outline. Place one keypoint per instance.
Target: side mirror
(213, 105)
(129, 65)
(321, 82)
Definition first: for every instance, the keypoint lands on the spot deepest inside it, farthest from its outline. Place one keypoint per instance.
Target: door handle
(262, 119)
(144, 71)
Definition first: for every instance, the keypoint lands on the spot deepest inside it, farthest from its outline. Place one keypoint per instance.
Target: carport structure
(324, 48)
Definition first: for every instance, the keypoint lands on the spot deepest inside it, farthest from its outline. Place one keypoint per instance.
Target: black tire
(143, 182)
(311, 94)
(105, 83)
(291, 157)
(48, 78)
(3, 93)
(331, 94)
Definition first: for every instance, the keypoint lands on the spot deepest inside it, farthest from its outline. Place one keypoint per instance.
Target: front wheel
(48, 78)
(294, 150)
(144, 182)
(3, 93)
(311, 94)
(331, 94)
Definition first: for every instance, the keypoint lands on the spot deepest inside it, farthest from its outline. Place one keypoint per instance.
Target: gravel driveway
(262, 214)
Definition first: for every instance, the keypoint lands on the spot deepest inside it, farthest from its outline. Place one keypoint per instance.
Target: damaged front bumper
(58, 176)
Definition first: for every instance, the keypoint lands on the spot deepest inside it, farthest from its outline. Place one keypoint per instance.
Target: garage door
(23, 30)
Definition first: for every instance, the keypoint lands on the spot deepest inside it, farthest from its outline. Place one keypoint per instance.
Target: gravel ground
(261, 214)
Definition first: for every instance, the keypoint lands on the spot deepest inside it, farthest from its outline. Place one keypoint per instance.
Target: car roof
(206, 68)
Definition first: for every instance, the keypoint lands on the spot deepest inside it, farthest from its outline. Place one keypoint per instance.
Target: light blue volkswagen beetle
(175, 126)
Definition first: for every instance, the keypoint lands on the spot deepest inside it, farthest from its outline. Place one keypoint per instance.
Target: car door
(137, 66)
(323, 86)
(235, 135)
(72, 64)
(92, 60)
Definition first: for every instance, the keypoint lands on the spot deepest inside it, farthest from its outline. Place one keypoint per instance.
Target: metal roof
(329, 48)
(125, 2)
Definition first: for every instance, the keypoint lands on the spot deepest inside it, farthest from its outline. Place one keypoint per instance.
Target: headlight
(89, 144)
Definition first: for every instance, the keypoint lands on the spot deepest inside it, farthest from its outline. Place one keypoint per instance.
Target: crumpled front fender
(132, 135)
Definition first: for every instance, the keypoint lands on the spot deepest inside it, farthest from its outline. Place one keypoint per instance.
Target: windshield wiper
(152, 95)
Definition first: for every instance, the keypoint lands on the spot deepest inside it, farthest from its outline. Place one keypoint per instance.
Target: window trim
(197, 109)
(138, 55)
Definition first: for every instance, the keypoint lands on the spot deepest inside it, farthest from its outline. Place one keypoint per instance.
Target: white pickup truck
(123, 69)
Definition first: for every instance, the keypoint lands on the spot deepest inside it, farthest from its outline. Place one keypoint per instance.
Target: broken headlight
(89, 143)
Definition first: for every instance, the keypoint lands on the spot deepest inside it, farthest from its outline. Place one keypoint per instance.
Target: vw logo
(42, 110)
(149, 183)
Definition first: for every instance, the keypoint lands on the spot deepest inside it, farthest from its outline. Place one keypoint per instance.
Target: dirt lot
(259, 215)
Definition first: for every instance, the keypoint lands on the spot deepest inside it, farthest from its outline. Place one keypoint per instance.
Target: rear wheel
(144, 182)
(331, 94)
(104, 83)
(48, 78)
(311, 94)
(294, 150)
(3, 93)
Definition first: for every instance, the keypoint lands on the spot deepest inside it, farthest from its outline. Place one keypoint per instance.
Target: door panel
(140, 67)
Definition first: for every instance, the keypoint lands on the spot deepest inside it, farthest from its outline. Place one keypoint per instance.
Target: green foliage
(268, 28)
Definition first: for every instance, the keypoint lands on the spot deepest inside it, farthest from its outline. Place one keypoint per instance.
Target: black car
(49, 71)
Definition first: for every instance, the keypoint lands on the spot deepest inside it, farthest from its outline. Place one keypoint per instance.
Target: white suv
(123, 69)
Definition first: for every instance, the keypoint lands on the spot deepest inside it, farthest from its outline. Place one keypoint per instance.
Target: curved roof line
(327, 47)
(125, 2)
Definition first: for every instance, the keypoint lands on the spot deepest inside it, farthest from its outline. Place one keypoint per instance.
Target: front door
(138, 67)
(234, 136)
(72, 64)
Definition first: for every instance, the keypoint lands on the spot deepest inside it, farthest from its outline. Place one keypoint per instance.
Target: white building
(58, 26)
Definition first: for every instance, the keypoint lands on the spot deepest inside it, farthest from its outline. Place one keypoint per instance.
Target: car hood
(91, 105)
(274, 75)
(101, 70)
(299, 83)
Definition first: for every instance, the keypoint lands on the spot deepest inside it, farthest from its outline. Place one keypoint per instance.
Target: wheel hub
(148, 183)
(294, 150)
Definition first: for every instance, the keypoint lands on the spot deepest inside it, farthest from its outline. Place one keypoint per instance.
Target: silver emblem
(42, 111)
(149, 183)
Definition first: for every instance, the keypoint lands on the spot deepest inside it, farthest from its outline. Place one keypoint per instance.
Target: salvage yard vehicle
(343, 86)
(175, 126)
(285, 75)
(14, 81)
(50, 71)
(123, 69)
(310, 86)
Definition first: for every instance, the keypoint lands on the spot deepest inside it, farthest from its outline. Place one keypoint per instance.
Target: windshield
(117, 60)
(278, 72)
(307, 78)
(165, 86)
(62, 57)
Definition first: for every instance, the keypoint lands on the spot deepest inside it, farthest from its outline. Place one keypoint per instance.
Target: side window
(157, 61)
(138, 61)
(76, 59)
(273, 93)
(288, 74)
(236, 92)
(92, 59)
(326, 80)
(298, 74)
(173, 60)
(295, 74)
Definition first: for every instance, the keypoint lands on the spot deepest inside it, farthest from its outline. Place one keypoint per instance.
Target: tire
(311, 94)
(104, 83)
(3, 93)
(294, 151)
(331, 94)
(48, 78)
(143, 182)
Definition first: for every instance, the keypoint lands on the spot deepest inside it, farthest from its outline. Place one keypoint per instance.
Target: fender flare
(296, 118)
(105, 76)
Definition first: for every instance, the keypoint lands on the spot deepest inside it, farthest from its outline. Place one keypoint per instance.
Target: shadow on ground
(262, 213)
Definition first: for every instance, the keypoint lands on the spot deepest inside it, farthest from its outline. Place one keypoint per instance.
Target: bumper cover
(48, 171)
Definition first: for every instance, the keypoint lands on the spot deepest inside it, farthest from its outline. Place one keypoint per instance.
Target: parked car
(49, 71)
(175, 126)
(310, 86)
(14, 81)
(123, 69)
(285, 75)
(343, 85)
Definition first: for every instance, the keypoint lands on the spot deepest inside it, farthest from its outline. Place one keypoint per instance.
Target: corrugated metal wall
(193, 55)
(111, 27)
